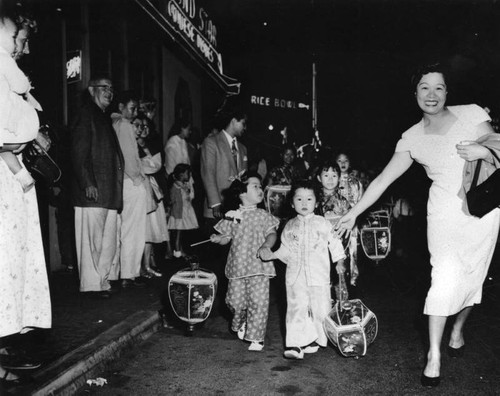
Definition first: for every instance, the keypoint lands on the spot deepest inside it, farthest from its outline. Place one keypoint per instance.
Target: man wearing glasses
(96, 188)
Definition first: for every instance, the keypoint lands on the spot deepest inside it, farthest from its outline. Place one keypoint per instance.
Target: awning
(179, 26)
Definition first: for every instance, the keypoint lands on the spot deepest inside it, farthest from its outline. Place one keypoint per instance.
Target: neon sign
(195, 27)
(277, 102)
(74, 66)
(192, 28)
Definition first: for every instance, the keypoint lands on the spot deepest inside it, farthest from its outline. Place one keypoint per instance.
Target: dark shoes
(429, 382)
(18, 362)
(456, 352)
(98, 295)
(133, 283)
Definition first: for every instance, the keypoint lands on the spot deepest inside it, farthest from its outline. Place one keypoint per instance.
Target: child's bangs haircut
(305, 184)
(238, 186)
(180, 169)
(326, 165)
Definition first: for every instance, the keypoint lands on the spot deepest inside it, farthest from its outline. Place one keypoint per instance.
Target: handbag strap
(478, 168)
(476, 174)
(494, 154)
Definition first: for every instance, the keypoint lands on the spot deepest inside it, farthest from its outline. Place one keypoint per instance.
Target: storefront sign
(277, 102)
(190, 25)
(73, 66)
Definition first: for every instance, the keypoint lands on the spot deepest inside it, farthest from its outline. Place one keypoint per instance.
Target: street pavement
(212, 361)
(166, 361)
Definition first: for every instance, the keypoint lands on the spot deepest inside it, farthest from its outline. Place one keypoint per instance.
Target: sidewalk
(87, 332)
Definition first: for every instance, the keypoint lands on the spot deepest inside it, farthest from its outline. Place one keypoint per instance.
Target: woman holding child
(25, 302)
(461, 246)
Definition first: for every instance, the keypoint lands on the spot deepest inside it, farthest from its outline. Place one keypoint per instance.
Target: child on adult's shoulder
(182, 214)
(18, 118)
(306, 242)
(251, 232)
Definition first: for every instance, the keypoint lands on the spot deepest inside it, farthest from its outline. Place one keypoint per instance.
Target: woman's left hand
(471, 151)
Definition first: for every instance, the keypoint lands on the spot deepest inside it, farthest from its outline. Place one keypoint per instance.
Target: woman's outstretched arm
(399, 164)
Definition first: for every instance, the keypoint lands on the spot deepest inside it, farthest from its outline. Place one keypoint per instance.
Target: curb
(69, 373)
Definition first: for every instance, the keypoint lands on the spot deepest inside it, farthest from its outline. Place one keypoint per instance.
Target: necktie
(234, 152)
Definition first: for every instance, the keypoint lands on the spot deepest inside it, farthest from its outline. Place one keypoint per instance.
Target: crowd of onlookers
(131, 191)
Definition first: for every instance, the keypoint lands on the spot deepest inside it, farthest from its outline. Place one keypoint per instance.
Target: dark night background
(365, 52)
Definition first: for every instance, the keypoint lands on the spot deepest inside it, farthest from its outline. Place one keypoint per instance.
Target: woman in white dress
(24, 287)
(460, 245)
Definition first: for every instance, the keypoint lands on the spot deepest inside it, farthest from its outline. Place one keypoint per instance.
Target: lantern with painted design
(192, 292)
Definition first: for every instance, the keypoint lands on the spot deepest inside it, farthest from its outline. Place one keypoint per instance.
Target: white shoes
(311, 348)
(294, 353)
(256, 346)
(242, 330)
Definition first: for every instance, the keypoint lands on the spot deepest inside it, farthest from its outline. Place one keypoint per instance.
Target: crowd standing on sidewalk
(131, 195)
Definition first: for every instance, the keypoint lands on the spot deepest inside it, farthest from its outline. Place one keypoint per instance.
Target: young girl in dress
(333, 205)
(350, 186)
(251, 231)
(352, 190)
(182, 214)
(306, 242)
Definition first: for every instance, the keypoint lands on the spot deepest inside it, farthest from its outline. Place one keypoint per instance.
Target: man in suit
(223, 158)
(97, 187)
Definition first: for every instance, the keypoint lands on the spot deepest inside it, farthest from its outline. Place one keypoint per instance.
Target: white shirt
(176, 152)
(230, 140)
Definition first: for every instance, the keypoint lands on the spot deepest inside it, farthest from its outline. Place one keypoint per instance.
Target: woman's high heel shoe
(455, 352)
(429, 382)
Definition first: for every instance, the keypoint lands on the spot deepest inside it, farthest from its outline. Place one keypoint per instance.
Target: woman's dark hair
(430, 68)
(326, 165)
(238, 186)
(305, 184)
(141, 116)
(179, 125)
(126, 97)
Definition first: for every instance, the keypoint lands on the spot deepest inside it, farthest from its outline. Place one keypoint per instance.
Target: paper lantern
(350, 325)
(192, 292)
